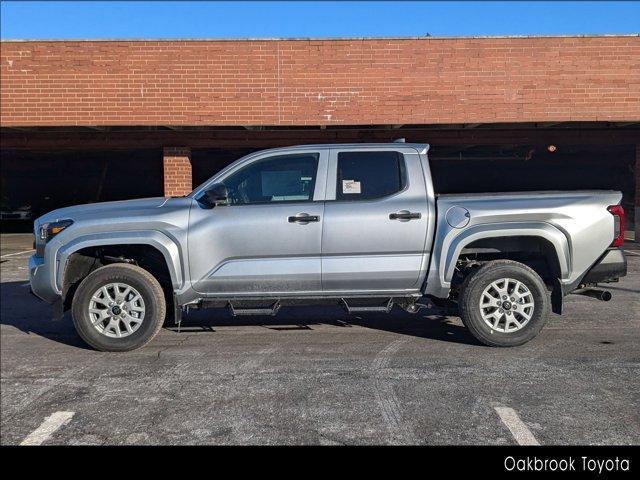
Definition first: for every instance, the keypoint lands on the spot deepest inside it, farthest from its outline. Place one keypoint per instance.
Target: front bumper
(40, 279)
(611, 266)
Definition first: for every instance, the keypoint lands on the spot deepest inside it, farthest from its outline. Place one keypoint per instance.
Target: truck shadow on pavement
(20, 309)
(427, 324)
(24, 312)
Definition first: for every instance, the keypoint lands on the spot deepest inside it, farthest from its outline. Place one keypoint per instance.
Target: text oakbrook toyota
(568, 464)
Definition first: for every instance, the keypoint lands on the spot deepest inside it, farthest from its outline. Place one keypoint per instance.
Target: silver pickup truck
(359, 225)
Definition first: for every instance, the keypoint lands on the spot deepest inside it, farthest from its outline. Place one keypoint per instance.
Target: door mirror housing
(216, 195)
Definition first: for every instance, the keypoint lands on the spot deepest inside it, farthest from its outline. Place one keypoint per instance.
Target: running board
(369, 308)
(272, 310)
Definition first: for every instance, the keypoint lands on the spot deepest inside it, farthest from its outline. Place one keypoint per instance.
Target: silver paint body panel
(576, 223)
(363, 250)
(248, 250)
(159, 222)
(354, 248)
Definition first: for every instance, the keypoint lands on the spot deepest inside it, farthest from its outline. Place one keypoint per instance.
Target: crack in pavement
(386, 398)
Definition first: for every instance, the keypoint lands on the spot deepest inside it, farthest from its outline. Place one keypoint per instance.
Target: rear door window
(369, 175)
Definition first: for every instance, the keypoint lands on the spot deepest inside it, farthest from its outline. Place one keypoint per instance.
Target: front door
(375, 221)
(268, 239)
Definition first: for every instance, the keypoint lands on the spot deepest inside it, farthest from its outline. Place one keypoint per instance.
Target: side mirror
(216, 194)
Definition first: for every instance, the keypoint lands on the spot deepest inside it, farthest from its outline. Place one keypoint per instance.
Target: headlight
(51, 229)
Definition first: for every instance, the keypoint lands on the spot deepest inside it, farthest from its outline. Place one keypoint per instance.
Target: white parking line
(518, 429)
(17, 253)
(47, 428)
(627, 252)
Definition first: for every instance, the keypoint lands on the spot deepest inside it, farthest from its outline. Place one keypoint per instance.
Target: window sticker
(351, 186)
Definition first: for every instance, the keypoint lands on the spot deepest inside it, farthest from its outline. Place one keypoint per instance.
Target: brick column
(637, 202)
(177, 170)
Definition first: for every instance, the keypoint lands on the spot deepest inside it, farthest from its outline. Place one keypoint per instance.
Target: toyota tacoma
(359, 225)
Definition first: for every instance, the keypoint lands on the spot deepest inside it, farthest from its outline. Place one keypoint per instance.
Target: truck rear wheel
(504, 303)
(118, 307)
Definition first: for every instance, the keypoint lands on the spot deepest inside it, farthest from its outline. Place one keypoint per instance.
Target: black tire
(138, 278)
(471, 293)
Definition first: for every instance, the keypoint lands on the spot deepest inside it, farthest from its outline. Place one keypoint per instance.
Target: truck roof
(421, 147)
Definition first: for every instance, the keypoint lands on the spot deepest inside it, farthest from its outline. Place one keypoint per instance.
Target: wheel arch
(73, 259)
(450, 245)
(548, 235)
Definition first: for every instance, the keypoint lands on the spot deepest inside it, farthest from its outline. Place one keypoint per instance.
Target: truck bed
(576, 223)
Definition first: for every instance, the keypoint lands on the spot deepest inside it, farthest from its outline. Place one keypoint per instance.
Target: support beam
(177, 170)
(267, 138)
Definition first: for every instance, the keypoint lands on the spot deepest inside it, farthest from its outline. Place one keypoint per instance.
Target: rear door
(375, 221)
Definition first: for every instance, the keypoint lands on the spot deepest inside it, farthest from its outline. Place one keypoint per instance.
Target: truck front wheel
(118, 307)
(504, 303)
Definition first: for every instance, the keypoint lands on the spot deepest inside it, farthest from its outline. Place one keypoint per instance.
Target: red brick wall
(322, 82)
(177, 170)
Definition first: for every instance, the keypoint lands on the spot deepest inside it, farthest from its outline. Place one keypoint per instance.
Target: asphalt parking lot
(319, 376)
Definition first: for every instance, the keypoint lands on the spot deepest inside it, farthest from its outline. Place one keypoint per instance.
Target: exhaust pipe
(602, 295)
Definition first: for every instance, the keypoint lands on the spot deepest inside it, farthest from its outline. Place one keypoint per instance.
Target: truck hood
(124, 208)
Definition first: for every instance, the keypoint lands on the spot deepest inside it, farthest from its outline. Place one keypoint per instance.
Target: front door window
(284, 178)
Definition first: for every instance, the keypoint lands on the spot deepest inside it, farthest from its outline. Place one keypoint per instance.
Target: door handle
(404, 215)
(304, 218)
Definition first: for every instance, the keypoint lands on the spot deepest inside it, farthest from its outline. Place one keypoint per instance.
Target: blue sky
(263, 19)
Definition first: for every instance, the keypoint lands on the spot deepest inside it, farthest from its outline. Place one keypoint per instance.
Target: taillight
(618, 215)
